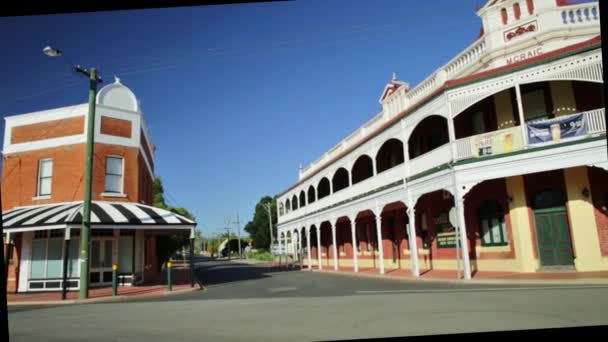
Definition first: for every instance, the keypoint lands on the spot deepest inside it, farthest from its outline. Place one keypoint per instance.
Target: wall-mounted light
(585, 192)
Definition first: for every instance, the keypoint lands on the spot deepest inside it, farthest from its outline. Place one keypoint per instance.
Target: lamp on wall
(585, 192)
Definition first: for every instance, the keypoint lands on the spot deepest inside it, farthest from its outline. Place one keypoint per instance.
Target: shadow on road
(211, 272)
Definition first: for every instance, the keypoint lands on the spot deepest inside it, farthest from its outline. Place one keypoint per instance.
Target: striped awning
(126, 215)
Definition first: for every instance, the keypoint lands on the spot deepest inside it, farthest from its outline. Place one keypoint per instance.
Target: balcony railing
(491, 143)
(581, 13)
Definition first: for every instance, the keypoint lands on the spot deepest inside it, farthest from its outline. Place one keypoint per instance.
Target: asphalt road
(268, 304)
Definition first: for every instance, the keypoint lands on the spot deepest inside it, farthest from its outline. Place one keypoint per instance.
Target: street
(260, 303)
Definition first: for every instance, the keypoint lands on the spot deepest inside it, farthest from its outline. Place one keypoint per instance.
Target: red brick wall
(144, 144)
(397, 235)
(367, 236)
(47, 130)
(114, 126)
(145, 180)
(488, 190)
(20, 174)
(598, 180)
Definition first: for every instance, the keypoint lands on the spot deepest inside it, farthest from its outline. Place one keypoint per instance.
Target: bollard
(114, 280)
(169, 285)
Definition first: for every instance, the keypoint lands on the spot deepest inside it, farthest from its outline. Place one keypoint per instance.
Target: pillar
(582, 217)
(463, 237)
(308, 248)
(353, 231)
(319, 246)
(335, 248)
(520, 224)
(411, 213)
(522, 119)
(379, 239)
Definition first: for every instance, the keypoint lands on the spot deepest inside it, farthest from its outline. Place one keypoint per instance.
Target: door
(552, 231)
(100, 272)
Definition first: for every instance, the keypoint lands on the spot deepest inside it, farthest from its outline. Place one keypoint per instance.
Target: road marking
(486, 289)
(282, 289)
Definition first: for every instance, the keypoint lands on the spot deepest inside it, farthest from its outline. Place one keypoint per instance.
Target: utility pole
(227, 221)
(268, 207)
(238, 228)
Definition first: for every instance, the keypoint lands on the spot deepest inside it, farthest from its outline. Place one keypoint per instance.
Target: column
(520, 224)
(463, 237)
(520, 112)
(320, 266)
(413, 238)
(452, 134)
(379, 239)
(335, 248)
(308, 248)
(280, 246)
(353, 231)
(192, 259)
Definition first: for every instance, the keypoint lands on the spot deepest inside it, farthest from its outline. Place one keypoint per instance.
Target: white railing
(502, 141)
(429, 160)
(581, 13)
(596, 121)
(469, 56)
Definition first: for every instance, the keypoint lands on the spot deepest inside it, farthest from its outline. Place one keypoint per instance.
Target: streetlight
(86, 212)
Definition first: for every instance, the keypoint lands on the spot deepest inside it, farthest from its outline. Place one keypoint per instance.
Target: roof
(103, 215)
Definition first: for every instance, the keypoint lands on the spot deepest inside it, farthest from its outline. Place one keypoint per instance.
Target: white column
(411, 214)
(451, 133)
(520, 112)
(320, 266)
(280, 245)
(308, 247)
(463, 237)
(335, 248)
(353, 231)
(379, 239)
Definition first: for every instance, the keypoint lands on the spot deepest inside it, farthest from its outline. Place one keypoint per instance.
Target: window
(493, 229)
(47, 255)
(45, 176)
(424, 231)
(114, 170)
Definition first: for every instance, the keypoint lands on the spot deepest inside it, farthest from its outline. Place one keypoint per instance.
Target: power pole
(268, 207)
(238, 228)
(227, 221)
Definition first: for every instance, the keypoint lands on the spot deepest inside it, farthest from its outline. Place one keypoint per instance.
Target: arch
(323, 188)
(340, 179)
(362, 169)
(430, 133)
(389, 155)
(311, 194)
(294, 202)
(287, 205)
(302, 199)
(281, 208)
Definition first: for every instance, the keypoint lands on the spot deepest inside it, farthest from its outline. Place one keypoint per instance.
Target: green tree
(168, 245)
(258, 228)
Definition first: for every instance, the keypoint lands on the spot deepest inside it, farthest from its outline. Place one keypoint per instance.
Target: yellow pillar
(504, 110)
(562, 97)
(582, 218)
(520, 225)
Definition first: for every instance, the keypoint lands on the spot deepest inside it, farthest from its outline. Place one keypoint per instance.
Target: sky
(236, 97)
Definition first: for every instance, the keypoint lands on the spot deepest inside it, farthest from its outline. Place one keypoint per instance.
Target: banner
(558, 129)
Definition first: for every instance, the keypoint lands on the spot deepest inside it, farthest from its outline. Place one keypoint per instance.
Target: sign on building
(558, 129)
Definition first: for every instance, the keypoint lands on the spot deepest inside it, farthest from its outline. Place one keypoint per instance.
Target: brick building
(509, 136)
(43, 190)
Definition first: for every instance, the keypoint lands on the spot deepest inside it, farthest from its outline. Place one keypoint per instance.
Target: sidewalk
(156, 288)
(451, 276)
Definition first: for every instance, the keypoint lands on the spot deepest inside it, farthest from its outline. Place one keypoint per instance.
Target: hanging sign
(558, 129)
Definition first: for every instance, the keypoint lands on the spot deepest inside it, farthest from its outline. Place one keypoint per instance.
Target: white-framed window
(47, 255)
(45, 177)
(493, 228)
(114, 174)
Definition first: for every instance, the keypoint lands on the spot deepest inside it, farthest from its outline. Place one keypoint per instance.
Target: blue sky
(237, 96)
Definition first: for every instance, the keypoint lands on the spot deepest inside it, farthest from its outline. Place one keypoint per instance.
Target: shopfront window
(493, 228)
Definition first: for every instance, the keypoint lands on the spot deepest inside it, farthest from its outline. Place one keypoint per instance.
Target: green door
(553, 237)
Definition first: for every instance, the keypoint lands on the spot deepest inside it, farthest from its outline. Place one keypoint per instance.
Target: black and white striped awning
(125, 215)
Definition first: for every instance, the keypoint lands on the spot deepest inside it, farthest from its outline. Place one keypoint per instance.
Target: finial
(116, 79)
(394, 76)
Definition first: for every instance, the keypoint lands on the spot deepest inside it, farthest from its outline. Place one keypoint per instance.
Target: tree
(168, 245)
(258, 228)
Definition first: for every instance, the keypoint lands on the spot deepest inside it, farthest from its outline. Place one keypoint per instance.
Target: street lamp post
(86, 213)
(268, 207)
